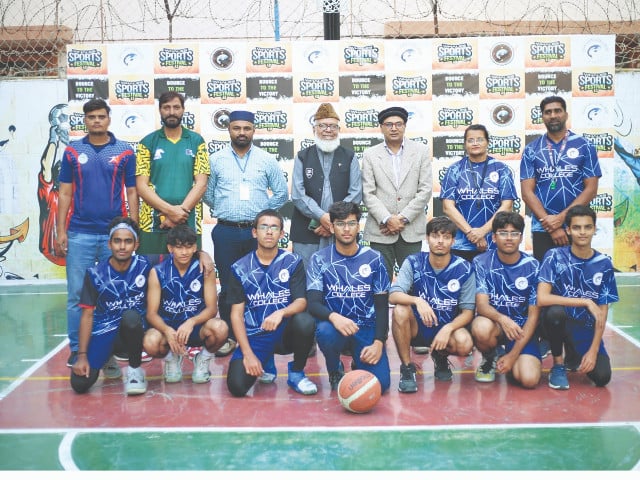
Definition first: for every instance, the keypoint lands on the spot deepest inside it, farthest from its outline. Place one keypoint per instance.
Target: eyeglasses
(328, 126)
(272, 228)
(390, 125)
(341, 224)
(508, 234)
(476, 141)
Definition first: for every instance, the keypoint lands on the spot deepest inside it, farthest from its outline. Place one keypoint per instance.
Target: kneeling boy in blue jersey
(267, 296)
(434, 295)
(347, 287)
(181, 306)
(576, 285)
(506, 281)
(113, 302)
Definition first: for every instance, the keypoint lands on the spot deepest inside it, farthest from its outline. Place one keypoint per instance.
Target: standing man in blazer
(396, 186)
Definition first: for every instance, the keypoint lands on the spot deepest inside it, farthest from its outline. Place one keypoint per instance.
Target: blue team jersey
(574, 277)
(100, 176)
(348, 284)
(110, 293)
(559, 170)
(267, 288)
(478, 189)
(182, 297)
(511, 287)
(441, 290)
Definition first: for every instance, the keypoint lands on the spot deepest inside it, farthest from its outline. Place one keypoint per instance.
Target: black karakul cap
(393, 112)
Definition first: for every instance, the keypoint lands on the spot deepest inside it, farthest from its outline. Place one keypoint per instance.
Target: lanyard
(554, 160)
(479, 184)
(237, 159)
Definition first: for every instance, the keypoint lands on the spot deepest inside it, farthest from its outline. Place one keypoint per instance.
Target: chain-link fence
(33, 35)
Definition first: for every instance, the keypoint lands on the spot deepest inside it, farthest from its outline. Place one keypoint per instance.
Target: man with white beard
(323, 173)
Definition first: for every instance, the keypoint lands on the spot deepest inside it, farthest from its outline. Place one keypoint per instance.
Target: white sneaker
(228, 347)
(173, 369)
(136, 383)
(145, 357)
(111, 369)
(201, 373)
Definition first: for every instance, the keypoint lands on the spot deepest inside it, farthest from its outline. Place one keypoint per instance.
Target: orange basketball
(359, 391)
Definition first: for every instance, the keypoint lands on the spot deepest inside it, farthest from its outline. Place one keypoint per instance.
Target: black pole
(331, 16)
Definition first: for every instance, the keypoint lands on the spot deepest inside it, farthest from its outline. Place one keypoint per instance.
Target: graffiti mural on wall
(17, 232)
(627, 175)
(48, 182)
(33, 135)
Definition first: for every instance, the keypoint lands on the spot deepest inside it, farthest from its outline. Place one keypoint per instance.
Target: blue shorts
(264, 344)
(100, 348)
(582, 336)
(531, 348)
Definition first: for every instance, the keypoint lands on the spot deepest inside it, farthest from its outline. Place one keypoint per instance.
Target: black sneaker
(408, 382)
(121, 356)
(335, 377)
(442, 367)
(72, 359)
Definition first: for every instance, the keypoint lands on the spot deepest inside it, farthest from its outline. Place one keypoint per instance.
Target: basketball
(359, 391)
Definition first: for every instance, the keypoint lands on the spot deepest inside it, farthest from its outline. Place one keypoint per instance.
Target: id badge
(244, 192)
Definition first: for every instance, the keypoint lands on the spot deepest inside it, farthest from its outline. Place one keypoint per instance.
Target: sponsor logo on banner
(602, 141)
(455, 54)
(502, 54)
(222, 58)
(542, 52)
(131, 91)
(506, 147)
(86, 60)
(220, 119)
(593, 83)
(176, 59)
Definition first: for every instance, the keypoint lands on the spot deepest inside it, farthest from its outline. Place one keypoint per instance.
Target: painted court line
(320, 429)
(16, 383)
(65, 452)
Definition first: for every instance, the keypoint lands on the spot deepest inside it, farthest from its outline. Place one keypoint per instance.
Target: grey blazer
(383, 197)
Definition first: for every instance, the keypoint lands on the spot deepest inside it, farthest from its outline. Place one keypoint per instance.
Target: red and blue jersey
(100, 176)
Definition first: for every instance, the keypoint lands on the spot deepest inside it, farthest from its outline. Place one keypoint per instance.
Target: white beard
(327, 146)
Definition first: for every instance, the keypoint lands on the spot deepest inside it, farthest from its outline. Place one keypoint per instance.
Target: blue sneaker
(270, 372)
(558, 378)
(300, 383)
